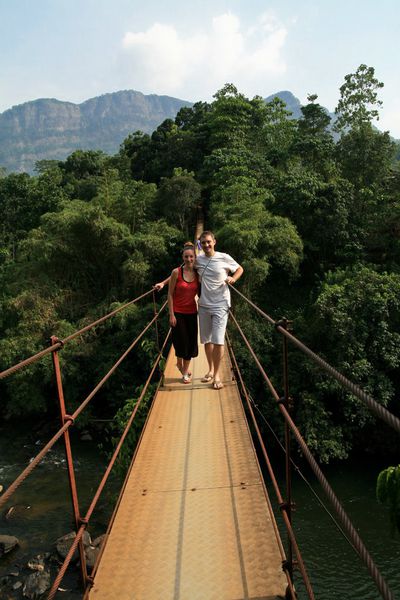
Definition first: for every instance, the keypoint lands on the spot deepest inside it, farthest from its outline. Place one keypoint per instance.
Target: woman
(182, 290)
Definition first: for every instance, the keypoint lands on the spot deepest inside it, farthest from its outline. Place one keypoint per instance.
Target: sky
(74, 50)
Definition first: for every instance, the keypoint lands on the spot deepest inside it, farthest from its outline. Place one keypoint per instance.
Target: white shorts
(212, 322)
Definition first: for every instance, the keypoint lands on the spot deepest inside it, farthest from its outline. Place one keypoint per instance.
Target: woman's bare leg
(185, 368)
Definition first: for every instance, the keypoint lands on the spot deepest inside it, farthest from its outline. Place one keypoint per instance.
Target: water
(335, 571)
(41, 505)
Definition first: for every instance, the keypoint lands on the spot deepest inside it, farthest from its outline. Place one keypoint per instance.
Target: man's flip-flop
(218, 385)
(207, 378)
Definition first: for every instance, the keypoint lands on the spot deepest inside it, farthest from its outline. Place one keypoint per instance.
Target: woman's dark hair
(188, 246)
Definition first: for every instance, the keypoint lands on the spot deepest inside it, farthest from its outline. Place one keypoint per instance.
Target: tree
(23, 200)
(382, 238)
(46, 164)
(79, 251)
(85, 163)
(365, 156)
(256, 238)
(70, 270)
(82, 172)
(320, 210)
(193, 118)
(134, 204)
(229, 121)
(170, 146)
(136, 149)
(388, 492)
(16, 217)
(354, 324)
(357, 314)
(278, 132)
(178, 198)
(314, 143)
(358, 99)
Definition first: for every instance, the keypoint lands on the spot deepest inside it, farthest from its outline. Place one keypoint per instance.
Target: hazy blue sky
(76, 49)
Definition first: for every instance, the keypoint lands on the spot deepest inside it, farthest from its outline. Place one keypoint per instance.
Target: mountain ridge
(48, 128)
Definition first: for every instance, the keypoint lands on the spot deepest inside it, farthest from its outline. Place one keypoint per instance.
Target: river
(42, 504)
(335, 571)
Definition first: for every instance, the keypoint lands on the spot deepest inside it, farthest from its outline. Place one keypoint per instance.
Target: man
(214, 270)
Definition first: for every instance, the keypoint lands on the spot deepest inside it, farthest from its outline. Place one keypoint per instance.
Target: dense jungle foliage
(312, 214)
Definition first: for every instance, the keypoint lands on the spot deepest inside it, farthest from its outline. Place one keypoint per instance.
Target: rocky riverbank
(34, 523)
(31, 579)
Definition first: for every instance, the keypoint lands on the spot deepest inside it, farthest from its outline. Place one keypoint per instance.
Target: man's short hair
(207, 232)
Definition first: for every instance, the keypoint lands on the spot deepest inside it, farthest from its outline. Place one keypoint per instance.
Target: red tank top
(184, 294)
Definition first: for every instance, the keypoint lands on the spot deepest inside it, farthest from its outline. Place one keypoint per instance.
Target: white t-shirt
(212, 273)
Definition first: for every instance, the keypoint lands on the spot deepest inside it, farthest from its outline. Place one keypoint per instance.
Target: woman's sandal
(218, 385)
(186, 378)
(207, 378)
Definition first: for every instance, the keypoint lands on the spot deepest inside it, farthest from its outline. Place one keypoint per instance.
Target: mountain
(49, 128)
(292, 103)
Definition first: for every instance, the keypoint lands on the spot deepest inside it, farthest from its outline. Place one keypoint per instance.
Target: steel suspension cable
(71, 418)
(85, 520)
(362, 551)
(60, 344)
(298, 471)
(372, 404)
(122, 490)
(116, 365)
(278, 494)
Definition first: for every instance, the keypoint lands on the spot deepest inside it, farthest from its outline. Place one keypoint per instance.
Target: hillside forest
(310, 209)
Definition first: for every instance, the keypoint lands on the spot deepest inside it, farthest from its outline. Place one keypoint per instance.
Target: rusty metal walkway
(194, 521)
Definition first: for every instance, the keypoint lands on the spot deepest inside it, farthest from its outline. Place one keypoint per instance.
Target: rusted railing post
(68, 454)
(160, 369)
(288, 467)
(156, 322)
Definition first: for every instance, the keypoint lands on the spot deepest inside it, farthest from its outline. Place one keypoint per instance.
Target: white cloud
(158, 55)
(164, 61)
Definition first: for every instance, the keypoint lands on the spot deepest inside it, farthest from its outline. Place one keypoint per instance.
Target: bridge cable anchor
(284, 323)
(55, 340)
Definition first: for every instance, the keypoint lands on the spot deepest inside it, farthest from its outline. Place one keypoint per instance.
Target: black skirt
(184, 336)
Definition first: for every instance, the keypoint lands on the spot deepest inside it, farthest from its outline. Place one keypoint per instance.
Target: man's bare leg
(209, 350)
(218, 353)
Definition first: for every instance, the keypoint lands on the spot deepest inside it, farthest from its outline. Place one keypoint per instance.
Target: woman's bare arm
(171, 288)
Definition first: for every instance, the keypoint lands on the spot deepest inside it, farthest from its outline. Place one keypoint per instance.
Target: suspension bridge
(194, 519)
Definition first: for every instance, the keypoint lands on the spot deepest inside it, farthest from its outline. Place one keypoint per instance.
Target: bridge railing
(284, 505)
(67, 420)
(283, 403)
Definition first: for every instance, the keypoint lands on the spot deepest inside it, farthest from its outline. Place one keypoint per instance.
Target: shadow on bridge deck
(194, 520)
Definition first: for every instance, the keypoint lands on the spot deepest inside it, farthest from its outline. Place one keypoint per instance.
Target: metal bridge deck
(193, 522)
